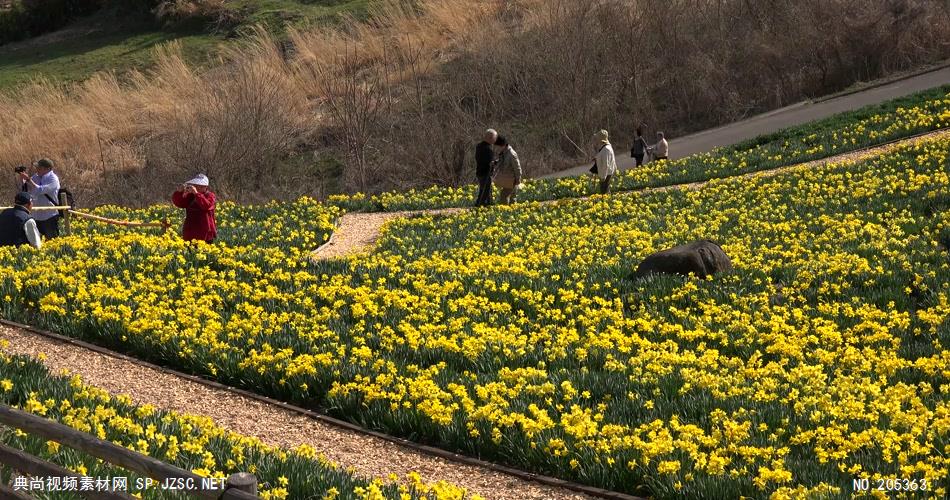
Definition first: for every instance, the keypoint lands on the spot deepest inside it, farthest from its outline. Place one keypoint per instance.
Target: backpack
(70, 201)
(593, 169)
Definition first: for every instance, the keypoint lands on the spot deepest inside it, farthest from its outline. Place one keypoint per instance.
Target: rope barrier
(162, 224)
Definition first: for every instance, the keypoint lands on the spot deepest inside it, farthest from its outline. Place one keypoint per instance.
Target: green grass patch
(105, 41)
(76, 57)
(277, 15)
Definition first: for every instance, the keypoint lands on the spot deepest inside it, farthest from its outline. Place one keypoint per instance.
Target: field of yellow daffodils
(188, 441)
(518, 335)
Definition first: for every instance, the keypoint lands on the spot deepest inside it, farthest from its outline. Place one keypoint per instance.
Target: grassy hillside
(111, 41)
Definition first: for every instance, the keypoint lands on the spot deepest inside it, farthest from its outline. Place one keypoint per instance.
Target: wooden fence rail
(242, 486)
(28, 464)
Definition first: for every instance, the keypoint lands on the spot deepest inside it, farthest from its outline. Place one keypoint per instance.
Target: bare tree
(354, 98)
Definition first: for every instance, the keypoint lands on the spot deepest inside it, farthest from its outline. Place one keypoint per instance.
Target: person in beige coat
(660, 150)
(605, 162)
(508, 171)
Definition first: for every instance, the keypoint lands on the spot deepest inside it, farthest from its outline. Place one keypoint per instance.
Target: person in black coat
(484, 165)
(17, 226)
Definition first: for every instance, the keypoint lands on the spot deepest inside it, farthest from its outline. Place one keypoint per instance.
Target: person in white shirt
(660, 150)
(605, 163)
(17, 226)
(44, 186)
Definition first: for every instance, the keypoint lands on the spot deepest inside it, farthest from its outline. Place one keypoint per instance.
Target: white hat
(199, 180)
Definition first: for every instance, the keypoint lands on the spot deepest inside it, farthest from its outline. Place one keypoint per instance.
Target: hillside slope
(119, 40)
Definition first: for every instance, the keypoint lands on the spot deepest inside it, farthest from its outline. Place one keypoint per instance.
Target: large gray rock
(703, 258)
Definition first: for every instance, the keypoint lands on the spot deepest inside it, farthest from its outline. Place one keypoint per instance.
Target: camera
(19, 169)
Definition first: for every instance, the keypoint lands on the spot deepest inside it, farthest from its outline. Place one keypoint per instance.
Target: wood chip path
(369, 456)
(358, 232)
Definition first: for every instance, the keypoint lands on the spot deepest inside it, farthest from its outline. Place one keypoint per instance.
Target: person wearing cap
(199, 204)
(17, 226)
(484, 163)
(44, 188)
(508, 171)
(605, 163)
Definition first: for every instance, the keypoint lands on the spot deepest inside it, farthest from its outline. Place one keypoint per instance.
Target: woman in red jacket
(198, 202)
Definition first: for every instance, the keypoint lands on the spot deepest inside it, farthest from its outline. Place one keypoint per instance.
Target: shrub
(178, 13)
(43, 16)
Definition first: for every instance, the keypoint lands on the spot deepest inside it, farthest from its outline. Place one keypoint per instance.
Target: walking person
(43, 186)
(660, 150)
(508, 171)
(605, 163)
(199, 204)
(639, 147)
(17, 226)
(484, 164)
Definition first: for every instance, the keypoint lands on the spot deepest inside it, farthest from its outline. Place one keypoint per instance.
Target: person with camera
(17, 226)
(43, 186)
(199, 204)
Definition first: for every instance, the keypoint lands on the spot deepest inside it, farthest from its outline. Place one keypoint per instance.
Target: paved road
(772, 121)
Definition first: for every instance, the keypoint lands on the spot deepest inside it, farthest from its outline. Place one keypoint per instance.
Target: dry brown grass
(399, 98)
(119, 142)
(130, 142)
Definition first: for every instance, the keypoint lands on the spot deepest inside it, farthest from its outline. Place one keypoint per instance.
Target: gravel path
(370, 456)
(773, 121)
(358, 232)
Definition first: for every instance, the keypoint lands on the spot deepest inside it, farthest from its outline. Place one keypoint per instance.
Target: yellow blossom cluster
(519, 334)
(190, 441)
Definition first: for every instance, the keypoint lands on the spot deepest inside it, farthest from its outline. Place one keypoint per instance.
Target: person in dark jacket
(199, 204)
(639, 147)
(484, 164)
(17, 226)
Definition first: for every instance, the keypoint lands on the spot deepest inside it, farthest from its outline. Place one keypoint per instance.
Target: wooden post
(242, 481)
(63, 202)
(109, 452)
(8, 492)
(28, 464)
